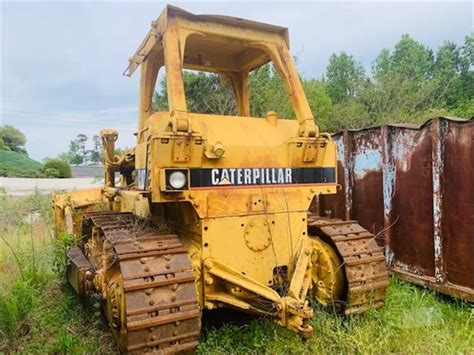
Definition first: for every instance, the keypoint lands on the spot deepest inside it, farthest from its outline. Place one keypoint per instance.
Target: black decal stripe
(203, 177)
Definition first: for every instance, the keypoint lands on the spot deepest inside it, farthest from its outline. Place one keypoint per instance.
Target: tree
(267, 92)
(344, 77)
(464, 105)
(95, 154)
(74, 155)
(319, 102)
(13, 138)
(446, 72)
(410, 83)
(409, 60)
(205, 93)
(81, 140)
(350, 114)
(211, 93)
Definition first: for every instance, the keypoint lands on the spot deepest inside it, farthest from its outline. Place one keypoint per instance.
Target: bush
(57, 168)
(51, 172)
(2, 144)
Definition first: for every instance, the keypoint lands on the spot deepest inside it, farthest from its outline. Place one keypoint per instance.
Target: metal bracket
(310, 151)
(181, 150)
(180, 121)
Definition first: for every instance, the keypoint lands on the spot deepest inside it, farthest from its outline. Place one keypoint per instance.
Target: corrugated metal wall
(413, 187)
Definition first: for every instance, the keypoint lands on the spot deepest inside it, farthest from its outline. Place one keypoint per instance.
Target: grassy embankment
(39, 313)
(18, 165)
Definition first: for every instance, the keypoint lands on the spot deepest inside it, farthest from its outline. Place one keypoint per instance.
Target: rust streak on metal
(423, 179)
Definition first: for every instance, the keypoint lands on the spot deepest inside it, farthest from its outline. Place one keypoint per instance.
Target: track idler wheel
(327, 275)
(114, 309)
(349, 270)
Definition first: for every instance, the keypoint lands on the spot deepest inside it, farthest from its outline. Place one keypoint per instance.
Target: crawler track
(150, 297)
(364, 263)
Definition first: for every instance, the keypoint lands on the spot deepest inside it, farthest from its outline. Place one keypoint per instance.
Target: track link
(364, 263)
(151, 296)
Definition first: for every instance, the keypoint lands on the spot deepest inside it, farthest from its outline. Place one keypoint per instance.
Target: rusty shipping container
(413, 187)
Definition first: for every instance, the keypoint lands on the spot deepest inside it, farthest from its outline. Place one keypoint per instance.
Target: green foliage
(412, 83)
(60, 246)
(213, 94)
(16, 306)
(64, 343)
(95, 154)
(464, 108)
(350, 114)
(410, 60)
(81, 140)
(39, 313)
(413, 320)
(2, 145)
(24, 272)
(319, 102)
(77, 152)
(57, 168)
(267, 93)
(13, 138)
(205, 93)
(344, 77)
(14, 164)
(51, 173)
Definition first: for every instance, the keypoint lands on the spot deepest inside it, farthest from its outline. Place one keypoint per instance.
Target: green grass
(412, 321)
(13, 164)
(40, 313)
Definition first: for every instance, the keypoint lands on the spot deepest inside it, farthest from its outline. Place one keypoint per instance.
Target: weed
(64, 343)
(15, 308)
(61, 245)
(413, 320)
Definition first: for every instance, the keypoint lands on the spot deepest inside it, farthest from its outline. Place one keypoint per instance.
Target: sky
(62, 62)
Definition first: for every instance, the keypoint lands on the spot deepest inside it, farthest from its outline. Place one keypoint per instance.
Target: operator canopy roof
(210, 43)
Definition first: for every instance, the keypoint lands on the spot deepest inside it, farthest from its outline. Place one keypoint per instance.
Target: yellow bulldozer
(211, 211)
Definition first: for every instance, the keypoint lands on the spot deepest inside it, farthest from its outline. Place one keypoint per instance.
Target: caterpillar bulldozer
(211, 211)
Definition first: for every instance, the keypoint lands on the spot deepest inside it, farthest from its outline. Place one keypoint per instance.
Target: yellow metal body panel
(254, 245)
(248, 142)
(69, 208)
